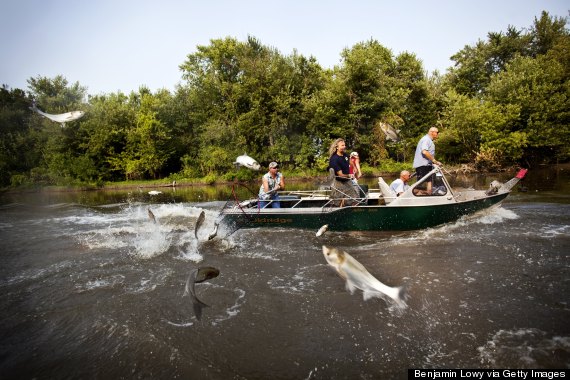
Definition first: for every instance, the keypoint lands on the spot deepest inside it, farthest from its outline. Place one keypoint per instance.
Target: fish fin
(367, 294)
(350, 286)
(190, 282)
(399, 303)
(403, 293)
(198, 306)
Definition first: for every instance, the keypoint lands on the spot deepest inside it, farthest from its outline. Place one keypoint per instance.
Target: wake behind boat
(373, 210)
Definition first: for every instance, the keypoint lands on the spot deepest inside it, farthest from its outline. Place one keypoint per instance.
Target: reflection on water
(92, 288)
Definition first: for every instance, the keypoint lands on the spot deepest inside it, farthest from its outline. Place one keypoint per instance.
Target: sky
(119, 45)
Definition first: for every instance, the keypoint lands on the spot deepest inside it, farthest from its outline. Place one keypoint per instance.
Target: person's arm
(265, 185)
(342, 175)
(430, 157)
(357, 172)
(282, 184)
(338, 169)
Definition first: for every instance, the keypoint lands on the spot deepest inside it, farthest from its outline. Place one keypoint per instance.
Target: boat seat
(387, 193)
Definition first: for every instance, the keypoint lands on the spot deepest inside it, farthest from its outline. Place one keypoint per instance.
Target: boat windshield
(433, 184)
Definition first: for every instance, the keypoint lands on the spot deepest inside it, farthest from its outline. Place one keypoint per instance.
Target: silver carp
(322, 230)
(151, 216)
(61, 118)
(357, 277)
(199, 222)
(214, 232)
(247, 161)
(391, 133)
(198, 275)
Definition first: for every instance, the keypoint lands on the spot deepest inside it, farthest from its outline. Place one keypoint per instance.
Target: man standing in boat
(339, 162)
(424, 158)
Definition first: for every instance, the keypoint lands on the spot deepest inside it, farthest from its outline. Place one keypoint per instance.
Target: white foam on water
(303, 281)
(37, 273)
(150, 242)
(146, 285)
(248, 245)
(524, 348)
(132, 230)
(102, 283)
(5, 226)
(225, 315)
(490, 216)
(185, 324)
(233, 310)
(551, 231)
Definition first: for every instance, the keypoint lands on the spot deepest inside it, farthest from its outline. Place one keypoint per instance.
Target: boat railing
(436, 172)
(294, 199)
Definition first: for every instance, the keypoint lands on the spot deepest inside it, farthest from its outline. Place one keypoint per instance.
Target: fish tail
(401, 296)
(198, 306)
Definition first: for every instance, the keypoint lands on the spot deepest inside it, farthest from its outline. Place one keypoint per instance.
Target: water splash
(524, 348)
(130, 230)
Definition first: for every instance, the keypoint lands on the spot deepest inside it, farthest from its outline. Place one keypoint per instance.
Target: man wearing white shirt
(401, 184)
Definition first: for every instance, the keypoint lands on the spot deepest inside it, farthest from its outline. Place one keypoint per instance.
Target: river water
(92, 288)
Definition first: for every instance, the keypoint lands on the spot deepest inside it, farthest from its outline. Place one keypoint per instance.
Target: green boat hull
(360, 218)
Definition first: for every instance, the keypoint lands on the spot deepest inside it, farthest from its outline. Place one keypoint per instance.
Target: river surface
(92, 288)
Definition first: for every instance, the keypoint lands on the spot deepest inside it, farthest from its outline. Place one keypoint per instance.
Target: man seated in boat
(400, 185)
(339, 162)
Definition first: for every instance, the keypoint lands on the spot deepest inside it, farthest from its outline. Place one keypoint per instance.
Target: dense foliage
(505, 101)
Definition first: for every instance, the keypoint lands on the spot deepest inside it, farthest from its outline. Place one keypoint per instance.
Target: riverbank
(291, 177)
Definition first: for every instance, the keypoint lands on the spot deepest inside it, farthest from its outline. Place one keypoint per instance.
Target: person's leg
(276, 203)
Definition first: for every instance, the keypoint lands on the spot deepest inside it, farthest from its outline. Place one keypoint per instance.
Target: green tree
(111, 117)
(540, 90)
(474, 65)
(20, 144)
(480, 132)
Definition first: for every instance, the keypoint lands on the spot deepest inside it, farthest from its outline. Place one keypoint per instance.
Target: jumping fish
(391, 133)
(322, 230)
(247, 162)
(214, 232)
(151, 216)
(206, 273)
(357, 277)
(199, 222)
(198, 275)
(61, 118)
(154, 192)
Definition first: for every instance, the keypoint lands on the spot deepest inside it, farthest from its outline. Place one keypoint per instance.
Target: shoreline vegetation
(292, 177)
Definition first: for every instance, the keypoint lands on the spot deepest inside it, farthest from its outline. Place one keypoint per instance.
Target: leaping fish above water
(247, 161)
(357, 277)
(198, 275)
(214, 232)
(322, 230)
(391, 133)
(151, 216)
(61, 118)
(199, 222)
